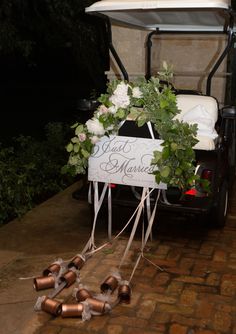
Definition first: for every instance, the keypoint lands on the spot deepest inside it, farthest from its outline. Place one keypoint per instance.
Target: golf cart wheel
(219, 213)
(232, 157)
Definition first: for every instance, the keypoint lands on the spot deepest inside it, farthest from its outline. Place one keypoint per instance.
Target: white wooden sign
(124, 160)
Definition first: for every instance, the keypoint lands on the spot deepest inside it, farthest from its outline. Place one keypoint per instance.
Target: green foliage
(144, 101)
(175, 164)
(176, 161)
(30, 171)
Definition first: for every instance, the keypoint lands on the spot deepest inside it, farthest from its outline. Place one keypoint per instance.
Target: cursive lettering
(120, 164)
(114, 145)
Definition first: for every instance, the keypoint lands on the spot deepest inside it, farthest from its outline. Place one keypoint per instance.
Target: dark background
(51, 55)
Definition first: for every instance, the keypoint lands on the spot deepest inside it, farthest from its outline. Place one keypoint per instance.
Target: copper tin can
(54, 268)
(76, 262)
(110, 283)
(72, 310)
(70, 277)
(82, 294)
(124, 293)
(51, 306)
(98, 305)
(44, 282)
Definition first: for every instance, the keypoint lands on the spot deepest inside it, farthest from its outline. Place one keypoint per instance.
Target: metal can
(51, 306)
(44, 282)
(72, 310)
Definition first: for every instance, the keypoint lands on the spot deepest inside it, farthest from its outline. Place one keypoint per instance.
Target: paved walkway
(194, 293)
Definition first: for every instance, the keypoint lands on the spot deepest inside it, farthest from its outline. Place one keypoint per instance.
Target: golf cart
(216, 150)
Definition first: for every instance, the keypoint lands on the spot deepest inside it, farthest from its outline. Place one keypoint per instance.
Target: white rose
(95, 127)
(137, 92)
(120, 97)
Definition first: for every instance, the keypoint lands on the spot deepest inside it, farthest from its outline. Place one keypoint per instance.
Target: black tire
(219, 212)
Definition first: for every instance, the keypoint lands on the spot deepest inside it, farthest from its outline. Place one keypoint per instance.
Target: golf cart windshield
(168, 15)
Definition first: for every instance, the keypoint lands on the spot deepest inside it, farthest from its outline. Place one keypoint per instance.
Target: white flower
(110, 127)
(94, 139)
(120, 97)
(112, 109)
(95, 127)
(137, 92)
(82, 137)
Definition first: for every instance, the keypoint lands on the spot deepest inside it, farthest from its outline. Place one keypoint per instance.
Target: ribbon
(97, 206)
(109, 213)
(134, 226)
(145, 239)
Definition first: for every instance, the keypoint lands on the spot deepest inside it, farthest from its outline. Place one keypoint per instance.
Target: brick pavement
(193, 292)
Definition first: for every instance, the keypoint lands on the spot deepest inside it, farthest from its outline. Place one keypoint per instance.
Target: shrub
(30, 171)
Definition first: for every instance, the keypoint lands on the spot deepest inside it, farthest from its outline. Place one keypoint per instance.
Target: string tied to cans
(62, 274)
(87, 304)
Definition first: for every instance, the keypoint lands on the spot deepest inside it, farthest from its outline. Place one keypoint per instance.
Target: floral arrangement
(143, 100)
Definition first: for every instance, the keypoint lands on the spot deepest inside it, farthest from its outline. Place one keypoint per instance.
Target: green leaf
(173, 146)
(74, 125)
(141, 121)
(157, 157)
(85, 153)
(120, 113)
(79, 129)
(165, 171)
(76, 148)
(134, 113)
(164, 104)
(165, 152)
(69, 147)
(178, 171)
(158, 177)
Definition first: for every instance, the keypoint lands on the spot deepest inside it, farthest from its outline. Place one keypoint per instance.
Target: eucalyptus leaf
(74, 125)
(69, 147)
(85, 153)
(79, 129)
(178, 171)
(165, 171)
(173, 146)
(76, 148)
(141, 121)
(157, 156)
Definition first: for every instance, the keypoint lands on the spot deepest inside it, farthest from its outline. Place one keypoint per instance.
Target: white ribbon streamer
(97, 206)
(150, 129)
(148, 231)
(109, 213)
(134, 227)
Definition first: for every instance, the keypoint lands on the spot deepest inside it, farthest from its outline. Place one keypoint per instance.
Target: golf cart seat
(203, 111)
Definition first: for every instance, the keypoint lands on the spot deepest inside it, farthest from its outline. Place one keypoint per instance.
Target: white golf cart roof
(166, 15)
